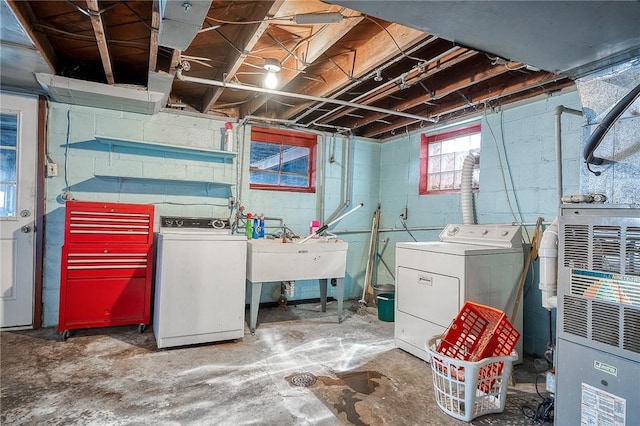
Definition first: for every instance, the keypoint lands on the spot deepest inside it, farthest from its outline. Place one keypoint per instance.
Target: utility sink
(271, 260)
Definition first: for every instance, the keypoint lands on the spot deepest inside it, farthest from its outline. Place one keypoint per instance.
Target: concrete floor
(117, 376)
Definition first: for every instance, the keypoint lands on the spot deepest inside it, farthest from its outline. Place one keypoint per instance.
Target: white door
(18, 149)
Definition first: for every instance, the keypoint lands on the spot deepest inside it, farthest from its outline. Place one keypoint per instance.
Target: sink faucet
(286, 233)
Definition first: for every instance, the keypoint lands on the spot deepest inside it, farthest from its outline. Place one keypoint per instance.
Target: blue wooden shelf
(225, 156)
(162, 180)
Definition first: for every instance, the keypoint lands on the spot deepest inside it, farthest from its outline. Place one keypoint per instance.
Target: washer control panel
(489, 235)
(194, 222)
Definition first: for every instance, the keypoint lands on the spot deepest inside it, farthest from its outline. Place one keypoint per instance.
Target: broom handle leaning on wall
(325, 226)
(533, 254)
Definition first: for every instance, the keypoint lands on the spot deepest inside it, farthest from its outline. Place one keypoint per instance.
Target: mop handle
(324, 227)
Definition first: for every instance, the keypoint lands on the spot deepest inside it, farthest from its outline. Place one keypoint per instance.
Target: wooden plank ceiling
(363, 60)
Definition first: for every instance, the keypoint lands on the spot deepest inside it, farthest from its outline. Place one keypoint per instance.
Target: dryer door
(429, 296)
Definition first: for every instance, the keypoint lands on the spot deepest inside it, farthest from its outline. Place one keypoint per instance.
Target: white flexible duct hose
(466, 194)
(548, 253)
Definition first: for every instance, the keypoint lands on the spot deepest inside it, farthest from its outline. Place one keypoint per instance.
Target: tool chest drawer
(92, 222)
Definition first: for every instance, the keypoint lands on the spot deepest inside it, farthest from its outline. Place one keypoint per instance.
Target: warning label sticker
(600, 408)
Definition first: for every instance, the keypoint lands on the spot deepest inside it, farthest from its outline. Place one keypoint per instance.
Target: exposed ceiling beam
(101, 39)
(374, 52)
(252, 35)
(478, 96)
(153, 43)
(440, 63)
(315, 47)
(455, 81)
(27, 19)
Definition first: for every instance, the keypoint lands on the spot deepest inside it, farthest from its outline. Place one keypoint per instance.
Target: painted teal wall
(177, 184)
(298, 209)
(385, 173)
(194, 185)
(518, 141)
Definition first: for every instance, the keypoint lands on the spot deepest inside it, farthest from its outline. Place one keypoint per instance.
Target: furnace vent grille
(601, 302)
(603, 315)
(606, 248)
(631, 330)
(576, 246)
(632, 249)
(575, 316)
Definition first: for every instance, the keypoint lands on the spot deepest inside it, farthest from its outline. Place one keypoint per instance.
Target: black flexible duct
(604, 126)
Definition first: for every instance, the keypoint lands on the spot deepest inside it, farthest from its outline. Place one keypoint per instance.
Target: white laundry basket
(465, 389)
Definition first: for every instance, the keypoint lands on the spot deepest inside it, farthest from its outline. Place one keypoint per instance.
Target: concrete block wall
(201, 184)
(385, 173)
(297, 210)
(518, 142)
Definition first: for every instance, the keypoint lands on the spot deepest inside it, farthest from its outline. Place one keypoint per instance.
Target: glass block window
(442, 156)
(282, 160)
(8, 164)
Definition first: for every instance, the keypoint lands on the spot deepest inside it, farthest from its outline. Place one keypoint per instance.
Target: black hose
(604, 126)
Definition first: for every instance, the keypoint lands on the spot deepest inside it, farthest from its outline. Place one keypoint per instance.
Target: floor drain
(302, 379)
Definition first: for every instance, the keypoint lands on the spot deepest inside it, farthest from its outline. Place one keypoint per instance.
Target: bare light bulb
(271, 80)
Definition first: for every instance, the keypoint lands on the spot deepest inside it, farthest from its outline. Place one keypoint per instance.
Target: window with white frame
(442, 156)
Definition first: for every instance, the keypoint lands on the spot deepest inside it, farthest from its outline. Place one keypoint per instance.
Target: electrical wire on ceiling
(72, 36)
(91, 13)
(126, 3)
(393, 39)
(237, 49)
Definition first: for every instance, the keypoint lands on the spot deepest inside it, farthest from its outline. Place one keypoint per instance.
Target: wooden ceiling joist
(153, 43)
(372, 53)
(234, 58)
(477, 96)
(450, 83)
(315, 47)
(101, 39)
(449, 59)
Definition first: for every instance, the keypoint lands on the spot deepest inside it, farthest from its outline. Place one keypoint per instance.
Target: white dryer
(478, 263)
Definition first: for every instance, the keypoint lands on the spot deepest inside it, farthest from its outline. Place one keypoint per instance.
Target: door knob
(26, 229)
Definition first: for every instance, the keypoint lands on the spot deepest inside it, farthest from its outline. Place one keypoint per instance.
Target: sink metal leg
(340, 297)
(323, 293)
(256, 289)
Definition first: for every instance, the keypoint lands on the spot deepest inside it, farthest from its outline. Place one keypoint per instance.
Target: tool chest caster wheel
(142, 328)
(64, 335)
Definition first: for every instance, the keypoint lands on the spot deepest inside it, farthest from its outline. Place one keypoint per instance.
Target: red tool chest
(107, 264)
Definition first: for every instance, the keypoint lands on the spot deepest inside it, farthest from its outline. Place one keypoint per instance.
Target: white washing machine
(200, 282)
(477, 263)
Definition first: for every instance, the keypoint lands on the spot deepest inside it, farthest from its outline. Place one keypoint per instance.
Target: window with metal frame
(282, 160)
(442, 156)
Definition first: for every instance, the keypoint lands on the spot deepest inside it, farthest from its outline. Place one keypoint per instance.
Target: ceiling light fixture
(271, 79)
(318, 18)
(378, 76)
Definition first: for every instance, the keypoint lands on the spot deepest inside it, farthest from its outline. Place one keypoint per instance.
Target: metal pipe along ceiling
(204, 81)
(370, 75)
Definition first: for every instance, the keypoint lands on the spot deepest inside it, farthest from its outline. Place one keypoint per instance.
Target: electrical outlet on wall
(404, 214)
(52, 170)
